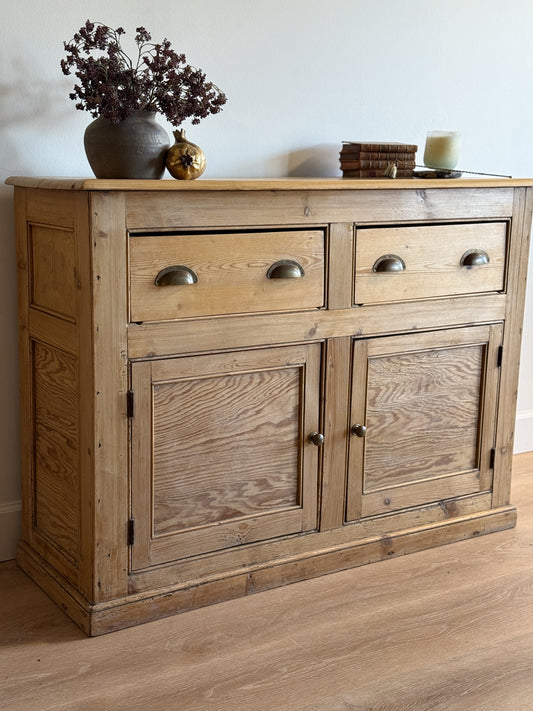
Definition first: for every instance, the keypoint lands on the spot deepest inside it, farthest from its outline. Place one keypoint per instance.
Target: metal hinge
(492, 458)
(500, 356)
(131, 532)
(130, 403)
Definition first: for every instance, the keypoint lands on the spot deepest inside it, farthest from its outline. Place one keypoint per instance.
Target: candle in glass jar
(442, 149)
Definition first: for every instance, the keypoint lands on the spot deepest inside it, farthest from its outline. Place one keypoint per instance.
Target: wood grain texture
(50, 207)
(223, 440)
(144, 607)
(378, 530)
(243, 388)
(231, 270)
(189, 336)
(85, 356)
(447, 629)
(105, 403)
(56, 477)
(24, 353)
(226, 422)
(310, 208)
(432, 256)
(337, 382)
(428, 403)
(52, 270)
(518, 261)
(54, 331)
(422, 415)
(48, 349)
(340, 273)
(224, 184)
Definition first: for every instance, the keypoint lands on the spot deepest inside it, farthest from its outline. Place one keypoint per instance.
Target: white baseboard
(10, 516)
(523, 438)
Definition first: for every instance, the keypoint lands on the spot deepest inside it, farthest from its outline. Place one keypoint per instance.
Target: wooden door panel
(220, 455)
(428, 402)
(225, 436)
(426, 412)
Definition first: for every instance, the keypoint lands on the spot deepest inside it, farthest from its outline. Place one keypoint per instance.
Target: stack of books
(377, 160)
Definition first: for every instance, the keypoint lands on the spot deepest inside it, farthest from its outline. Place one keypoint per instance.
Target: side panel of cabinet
(220, 451)
(50, 319)
(423, 418)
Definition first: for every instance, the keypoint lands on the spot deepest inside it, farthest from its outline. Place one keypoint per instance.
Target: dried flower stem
(112, 86)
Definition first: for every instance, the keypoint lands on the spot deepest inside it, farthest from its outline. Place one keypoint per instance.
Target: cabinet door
(220, 450)
(423, 415)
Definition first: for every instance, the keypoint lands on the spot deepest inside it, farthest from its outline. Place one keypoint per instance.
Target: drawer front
(426, 261)
(194, 275)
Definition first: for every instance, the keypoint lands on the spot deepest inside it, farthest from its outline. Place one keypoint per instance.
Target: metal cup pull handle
(176, 275)
(389, 263)
(285, 269)
(474, 258)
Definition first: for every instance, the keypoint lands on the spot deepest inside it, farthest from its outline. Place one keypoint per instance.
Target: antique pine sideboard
(230, 385)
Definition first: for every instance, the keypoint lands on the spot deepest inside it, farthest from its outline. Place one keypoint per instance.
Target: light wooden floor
(449, 629)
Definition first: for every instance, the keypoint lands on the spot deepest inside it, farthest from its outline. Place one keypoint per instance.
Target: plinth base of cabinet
(119, 613)
(62, 592)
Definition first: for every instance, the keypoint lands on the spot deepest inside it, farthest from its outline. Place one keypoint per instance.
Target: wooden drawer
(216, 274)
(425, 261)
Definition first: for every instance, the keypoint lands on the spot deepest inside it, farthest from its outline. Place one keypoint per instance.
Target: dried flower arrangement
(112, 85)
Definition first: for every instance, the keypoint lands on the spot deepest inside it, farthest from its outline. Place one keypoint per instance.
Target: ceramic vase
(133, 149)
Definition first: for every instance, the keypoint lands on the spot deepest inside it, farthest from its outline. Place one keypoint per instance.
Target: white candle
(442, 149)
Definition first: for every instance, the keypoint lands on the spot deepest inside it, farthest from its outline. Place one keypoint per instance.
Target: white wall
(301, 76)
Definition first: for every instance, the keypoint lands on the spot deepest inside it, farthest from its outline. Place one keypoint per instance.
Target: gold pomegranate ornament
(185, 160)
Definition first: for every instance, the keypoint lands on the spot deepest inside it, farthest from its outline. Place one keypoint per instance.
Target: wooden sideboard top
(265, 184)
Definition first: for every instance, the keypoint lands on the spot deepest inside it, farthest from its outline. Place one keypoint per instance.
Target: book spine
(370, 173)
(377, 164)
(376, 155)
(380, 147)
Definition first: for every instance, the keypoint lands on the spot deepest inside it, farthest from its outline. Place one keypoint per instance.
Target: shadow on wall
(315, 162)
(31, 108)
(27, 98)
